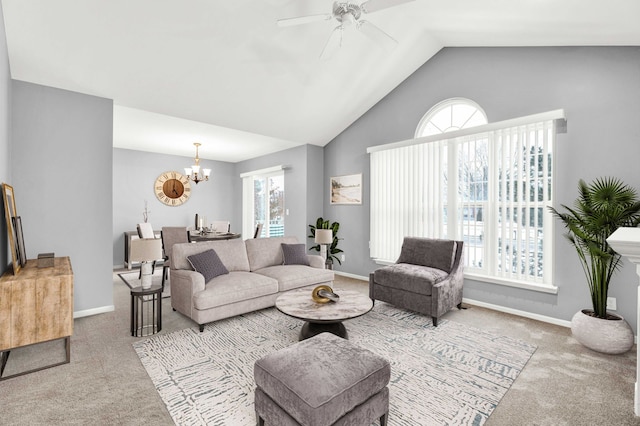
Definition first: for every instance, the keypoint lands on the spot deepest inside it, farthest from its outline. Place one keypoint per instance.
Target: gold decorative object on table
(324, 294)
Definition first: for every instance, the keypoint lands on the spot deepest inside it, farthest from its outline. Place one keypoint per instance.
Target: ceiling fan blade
(333, 44)
(288, 22)
(371, 6)
(376, 34)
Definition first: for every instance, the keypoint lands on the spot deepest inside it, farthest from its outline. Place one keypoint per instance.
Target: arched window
(449, 115)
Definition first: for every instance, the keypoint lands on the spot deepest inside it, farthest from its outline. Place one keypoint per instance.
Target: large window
(486, 184)
(263, 202)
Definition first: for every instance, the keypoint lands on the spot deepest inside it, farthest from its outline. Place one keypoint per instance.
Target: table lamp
(146, 251)
(324, 237)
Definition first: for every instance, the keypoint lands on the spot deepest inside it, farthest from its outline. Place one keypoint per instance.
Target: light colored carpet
(452, 374)
(131, 279)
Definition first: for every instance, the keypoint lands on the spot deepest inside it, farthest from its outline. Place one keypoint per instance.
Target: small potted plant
(601, 207)
(333, 249)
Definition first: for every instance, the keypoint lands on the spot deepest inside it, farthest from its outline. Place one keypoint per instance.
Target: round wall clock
(172, 188)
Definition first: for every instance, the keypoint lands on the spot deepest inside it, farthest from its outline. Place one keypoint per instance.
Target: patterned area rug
(446, 375)
(131, 280)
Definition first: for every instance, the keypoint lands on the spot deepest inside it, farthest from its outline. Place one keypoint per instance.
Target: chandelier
(193, 172)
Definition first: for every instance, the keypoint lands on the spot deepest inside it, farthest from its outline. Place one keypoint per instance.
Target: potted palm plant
(333, 249)
(601, 207)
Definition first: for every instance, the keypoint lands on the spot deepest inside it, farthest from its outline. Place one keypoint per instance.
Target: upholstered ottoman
(322, 381)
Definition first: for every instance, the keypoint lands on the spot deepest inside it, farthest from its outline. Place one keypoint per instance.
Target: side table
(146, 310)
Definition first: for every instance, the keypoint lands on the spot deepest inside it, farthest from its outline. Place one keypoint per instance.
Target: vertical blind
(488, 186)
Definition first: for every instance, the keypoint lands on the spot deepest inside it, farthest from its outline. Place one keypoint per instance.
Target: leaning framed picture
(9, 213)
(22, 253)
(346, 189)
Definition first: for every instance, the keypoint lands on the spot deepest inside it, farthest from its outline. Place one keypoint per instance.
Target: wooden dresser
(36, 306)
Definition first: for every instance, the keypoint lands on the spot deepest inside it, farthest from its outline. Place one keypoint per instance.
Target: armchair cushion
(208, 264)
(407, 277)
(294, 254)
(434, 253)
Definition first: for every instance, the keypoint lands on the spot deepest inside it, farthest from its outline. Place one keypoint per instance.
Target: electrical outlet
(611, 303)
(342, 257)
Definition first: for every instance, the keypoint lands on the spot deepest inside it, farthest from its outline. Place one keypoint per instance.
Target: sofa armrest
(316, 261)
(184, 284)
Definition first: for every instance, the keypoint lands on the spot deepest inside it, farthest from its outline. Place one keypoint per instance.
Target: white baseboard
(491, 306)
(94, 311)
(525, 314)
(354, 276)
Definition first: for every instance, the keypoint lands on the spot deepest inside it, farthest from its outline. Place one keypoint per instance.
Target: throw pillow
(208, 264)
(295, 254)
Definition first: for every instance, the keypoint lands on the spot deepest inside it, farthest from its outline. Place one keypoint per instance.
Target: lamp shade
(324, 236)
(145, 250)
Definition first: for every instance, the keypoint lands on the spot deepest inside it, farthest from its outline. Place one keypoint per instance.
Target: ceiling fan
(348, 15)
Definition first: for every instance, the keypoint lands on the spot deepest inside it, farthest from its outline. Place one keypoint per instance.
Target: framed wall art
(9, 213)
(346, 189)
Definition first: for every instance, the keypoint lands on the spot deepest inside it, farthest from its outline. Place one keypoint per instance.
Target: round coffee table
(321, 317)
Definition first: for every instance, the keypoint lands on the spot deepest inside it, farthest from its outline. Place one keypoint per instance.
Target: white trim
(94, 311)
(262, 171)
(519, 313)
(557, 114)
(354, 276)
(445, 104)
(498, 308)
(542, 288)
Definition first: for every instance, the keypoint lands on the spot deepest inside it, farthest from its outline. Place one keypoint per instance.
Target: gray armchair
(426, 278)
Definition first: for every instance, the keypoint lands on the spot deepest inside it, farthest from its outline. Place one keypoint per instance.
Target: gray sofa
(256, 278)
(426, 278)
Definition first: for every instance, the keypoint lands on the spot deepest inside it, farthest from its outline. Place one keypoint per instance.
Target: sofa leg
(460, 306)
(260, 421)
(201, 327)
(435, 321)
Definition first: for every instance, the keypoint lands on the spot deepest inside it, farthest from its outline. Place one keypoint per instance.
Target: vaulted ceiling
(224, 74)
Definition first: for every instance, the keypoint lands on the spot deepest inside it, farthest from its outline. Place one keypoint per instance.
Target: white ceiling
(224, 74)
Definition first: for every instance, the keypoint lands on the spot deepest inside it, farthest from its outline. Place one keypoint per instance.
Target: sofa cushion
(342, 375)
(263, 252)
(430, 252)
(296, 276)
(232, 253)
(294, 254)
(208, 264)
(233, 287)
(408, 277)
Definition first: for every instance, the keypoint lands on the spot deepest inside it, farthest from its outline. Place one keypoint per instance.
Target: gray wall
(134, 174)
(302, 185)
(61, 172)
(598, 87)
(5, 145)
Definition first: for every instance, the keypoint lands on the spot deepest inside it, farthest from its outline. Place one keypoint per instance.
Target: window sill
(542, 288)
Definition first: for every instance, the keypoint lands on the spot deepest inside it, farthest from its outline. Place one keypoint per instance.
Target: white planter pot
(602, 335)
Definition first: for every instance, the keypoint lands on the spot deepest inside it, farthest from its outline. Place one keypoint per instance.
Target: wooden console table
(36, 306)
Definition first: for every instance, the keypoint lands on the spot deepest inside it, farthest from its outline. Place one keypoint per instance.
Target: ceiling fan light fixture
(348, 15)
(348, 19)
